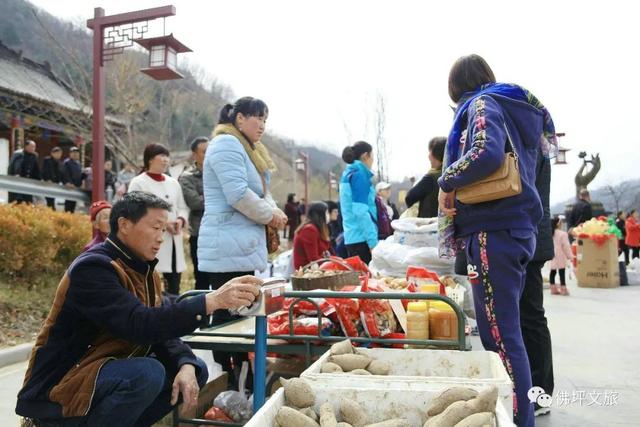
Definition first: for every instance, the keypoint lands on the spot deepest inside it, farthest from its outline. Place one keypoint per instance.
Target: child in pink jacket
(563, 254)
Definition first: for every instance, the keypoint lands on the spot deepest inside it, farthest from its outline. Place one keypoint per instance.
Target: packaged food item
(420, 276)
(443, 322)
(348, 314)
(417, 322)
(376, 314)
(278, 324)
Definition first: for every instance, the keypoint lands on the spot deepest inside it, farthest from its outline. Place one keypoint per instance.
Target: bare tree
(381, 143)
(617, 193)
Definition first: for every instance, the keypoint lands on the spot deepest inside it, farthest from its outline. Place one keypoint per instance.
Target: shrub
(34, 240)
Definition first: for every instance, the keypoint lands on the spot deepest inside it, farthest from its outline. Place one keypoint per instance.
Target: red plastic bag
(278, 324)
(354, 262)
(415, 274)
(307, 308)
(217, 414)
(376, 315)
(348, 313)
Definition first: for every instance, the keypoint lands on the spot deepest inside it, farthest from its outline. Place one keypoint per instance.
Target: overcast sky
(321, 65)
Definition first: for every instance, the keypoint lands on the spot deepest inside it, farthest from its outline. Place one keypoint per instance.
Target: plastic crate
(415, 369)
(380, 405)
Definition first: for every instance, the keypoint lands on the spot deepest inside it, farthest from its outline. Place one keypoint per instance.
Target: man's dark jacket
(544, 245)
(52, 170)
(580, 213)
(107, 306)
(72, 173)
(24, 164)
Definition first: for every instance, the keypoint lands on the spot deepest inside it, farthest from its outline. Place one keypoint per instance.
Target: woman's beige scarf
(258, 154)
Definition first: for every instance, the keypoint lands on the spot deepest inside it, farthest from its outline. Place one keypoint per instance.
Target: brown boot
(564, 291)
(554, 290)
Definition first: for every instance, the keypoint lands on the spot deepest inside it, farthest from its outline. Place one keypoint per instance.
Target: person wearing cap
(99, 212)
(72, 176)
(52, 172)
(383, 190)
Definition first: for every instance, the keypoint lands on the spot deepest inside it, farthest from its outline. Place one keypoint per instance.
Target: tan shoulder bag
(505, 182)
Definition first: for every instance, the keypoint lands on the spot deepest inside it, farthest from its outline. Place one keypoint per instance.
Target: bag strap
(513, 148)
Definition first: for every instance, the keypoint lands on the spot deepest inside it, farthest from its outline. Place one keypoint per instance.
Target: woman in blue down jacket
(358, 201)
(237, 203)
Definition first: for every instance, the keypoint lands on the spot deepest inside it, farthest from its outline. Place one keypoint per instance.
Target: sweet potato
(360, 372)
(289, 417)
(458, 411)
(447, 397)
(342, 347)
(349, 362)
(352, 413)
(298, 393)
(309, 412)
(481, 419)
(330, 368)
(327, 416)
(396, 422)
(376, 367)
(486, 400)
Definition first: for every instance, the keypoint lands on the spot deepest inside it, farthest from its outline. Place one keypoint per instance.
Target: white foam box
(416, 369)
(380, 405)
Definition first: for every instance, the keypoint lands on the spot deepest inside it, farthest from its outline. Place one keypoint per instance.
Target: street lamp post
(302, 163)
(333, 184)
(111, 36)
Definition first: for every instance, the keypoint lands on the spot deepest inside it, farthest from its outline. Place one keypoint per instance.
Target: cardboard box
(598, 264)
(205, 400)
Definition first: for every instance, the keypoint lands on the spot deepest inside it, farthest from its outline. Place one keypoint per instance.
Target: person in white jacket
(171, 262)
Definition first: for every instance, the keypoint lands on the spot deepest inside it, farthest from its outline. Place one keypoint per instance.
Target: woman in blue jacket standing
(499, 236)
(358, 201)
(237, 202)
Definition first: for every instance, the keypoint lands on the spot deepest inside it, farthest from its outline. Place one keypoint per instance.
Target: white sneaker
(539, 411)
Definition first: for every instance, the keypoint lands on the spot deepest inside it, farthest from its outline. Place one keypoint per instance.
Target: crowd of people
(68, 172)
(225, 204)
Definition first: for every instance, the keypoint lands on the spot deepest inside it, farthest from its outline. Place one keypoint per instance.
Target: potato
(458, 411)
(342, 347)
(330, 368)
(288, 417)
(377, 367)
(352, 413)
(396, 422)
(298, 393)
(349, 362)
(447, 397)
(344, 425)
(309, 412)
(327, 416)
(360, 372)
(481, 419)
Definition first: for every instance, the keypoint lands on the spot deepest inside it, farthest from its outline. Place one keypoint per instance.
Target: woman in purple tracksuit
(499, 236)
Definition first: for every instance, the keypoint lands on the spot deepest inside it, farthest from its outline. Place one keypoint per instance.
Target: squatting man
(109, 352)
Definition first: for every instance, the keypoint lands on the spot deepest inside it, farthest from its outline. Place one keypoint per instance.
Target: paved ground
(596, 358)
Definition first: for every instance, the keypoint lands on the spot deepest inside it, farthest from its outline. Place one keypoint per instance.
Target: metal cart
(238, 336)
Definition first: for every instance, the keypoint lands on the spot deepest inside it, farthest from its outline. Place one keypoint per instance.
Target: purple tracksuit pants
(497, 270)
